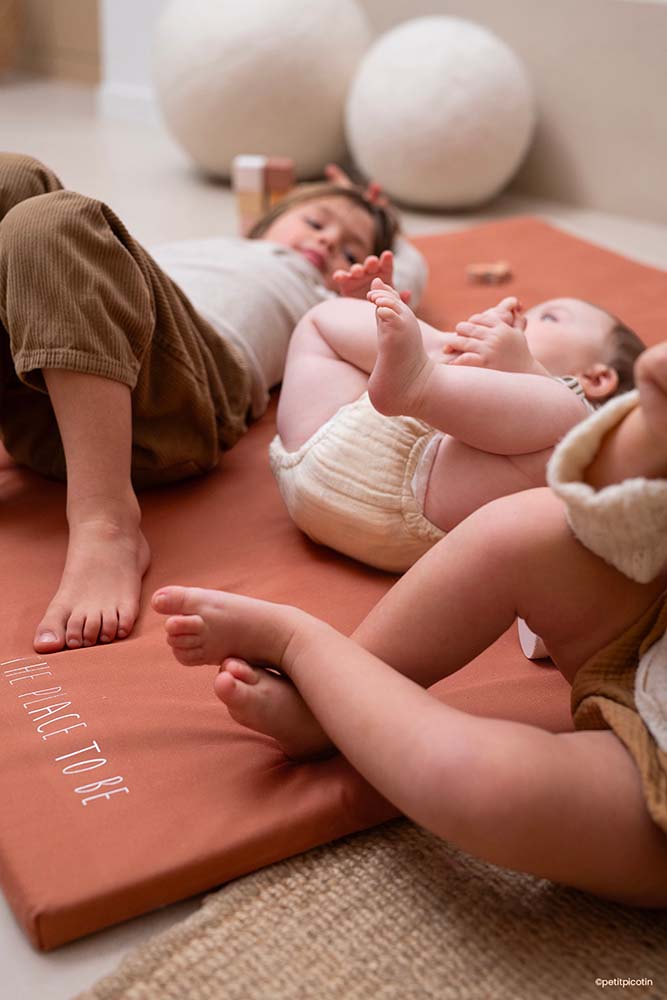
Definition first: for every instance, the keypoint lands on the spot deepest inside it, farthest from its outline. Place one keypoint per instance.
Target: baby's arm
(611, 472)
(637, 446)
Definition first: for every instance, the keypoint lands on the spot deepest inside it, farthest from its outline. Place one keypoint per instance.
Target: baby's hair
(385, 221)
(626, 347)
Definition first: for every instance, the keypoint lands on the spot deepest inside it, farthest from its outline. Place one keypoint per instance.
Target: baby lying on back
(391, 432)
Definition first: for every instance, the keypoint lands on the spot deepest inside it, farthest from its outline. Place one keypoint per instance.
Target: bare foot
(402, 367)
(210, 626)
(270, 704)
(98, 596)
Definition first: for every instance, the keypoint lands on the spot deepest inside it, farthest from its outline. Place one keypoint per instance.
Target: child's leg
(107, 554)
(85, 314)
(568, 807)
(501, 562)
(331, 354)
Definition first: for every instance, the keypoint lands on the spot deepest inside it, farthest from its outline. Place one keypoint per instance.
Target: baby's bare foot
(211, 626)
(270, 704)
(98, 596)
(207, 626)
(402, 367)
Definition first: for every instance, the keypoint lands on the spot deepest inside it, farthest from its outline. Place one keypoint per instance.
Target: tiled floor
(147, 180)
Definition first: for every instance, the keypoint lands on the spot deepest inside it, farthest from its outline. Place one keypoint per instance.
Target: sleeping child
(383, 447)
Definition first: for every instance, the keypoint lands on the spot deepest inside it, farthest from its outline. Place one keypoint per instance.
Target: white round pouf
(440, 113)
(258, 76)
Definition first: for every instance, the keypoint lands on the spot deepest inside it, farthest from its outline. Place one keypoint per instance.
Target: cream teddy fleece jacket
(626, 523)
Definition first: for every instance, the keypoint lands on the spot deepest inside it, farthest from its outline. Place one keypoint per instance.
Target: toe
(241, 670)
(237, 695)
(74, 630)
(184, 641)
(109, 626)
(169, 600)
(184, 625)
(91, 628)
(50, 633)
(127, 615)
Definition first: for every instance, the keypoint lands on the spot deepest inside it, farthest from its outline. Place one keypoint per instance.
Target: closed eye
(314, 223)
(550, 316)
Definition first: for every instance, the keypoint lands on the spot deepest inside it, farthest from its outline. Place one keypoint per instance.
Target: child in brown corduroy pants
(112, 378)
(585, 808)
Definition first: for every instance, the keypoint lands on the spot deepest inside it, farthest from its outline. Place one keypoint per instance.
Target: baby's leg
(333, 350)
(568, 807)
(208, 626)
(501, 562)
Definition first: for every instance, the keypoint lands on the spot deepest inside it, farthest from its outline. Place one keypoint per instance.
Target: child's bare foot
(214, 627)
(98, 596)
(402, 367)
(270, 704)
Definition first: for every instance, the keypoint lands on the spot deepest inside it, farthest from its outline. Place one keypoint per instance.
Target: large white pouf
(440, 112)
(258, 76)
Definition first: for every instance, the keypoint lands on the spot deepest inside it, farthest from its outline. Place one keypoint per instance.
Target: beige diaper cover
(357, 485)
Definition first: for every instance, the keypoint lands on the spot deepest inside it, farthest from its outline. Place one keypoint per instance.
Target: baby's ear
(599, 382)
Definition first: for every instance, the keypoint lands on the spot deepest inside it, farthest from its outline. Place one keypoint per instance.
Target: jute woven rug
(395, 914)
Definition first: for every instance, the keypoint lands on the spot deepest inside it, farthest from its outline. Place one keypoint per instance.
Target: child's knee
(23, 177)
(38, 225)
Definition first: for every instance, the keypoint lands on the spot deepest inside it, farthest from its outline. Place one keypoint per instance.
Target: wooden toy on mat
(494, 273)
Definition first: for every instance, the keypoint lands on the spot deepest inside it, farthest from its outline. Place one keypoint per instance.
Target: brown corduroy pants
(77, 292)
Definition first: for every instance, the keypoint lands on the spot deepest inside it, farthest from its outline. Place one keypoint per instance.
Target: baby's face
(568, 336)
(330, 232)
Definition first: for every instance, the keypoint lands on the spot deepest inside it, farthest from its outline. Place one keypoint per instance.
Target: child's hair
(626, 347)
(385, 221)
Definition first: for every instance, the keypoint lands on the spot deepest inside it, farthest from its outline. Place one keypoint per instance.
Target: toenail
(47, 637)
(121, 633)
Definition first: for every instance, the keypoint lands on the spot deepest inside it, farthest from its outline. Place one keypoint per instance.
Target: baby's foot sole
(402, 368)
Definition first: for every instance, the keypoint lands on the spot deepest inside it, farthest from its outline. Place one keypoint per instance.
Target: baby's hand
(356, 283)
(651, 380)
(494, 339)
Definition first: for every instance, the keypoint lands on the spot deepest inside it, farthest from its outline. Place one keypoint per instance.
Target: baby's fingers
(462, 345)
(471, 360)
(478, 331)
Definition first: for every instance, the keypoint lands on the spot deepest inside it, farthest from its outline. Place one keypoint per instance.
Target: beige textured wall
(599, 68)
(60, 38)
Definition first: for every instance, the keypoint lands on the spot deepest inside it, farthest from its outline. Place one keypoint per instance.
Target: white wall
(599, 68)
(127, 31)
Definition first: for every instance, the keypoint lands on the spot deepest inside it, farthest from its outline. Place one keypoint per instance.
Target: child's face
(568, 336)
(330, 232)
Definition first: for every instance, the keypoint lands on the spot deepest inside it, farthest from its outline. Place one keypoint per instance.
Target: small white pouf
(441, 113)
(258, 76)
